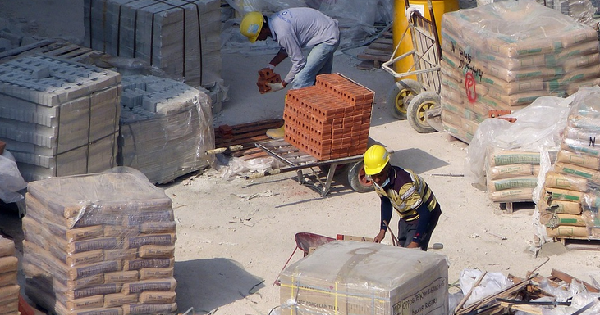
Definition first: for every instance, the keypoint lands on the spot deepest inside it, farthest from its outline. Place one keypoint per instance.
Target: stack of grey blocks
(166, 127)
(180, 37)
(59, 117)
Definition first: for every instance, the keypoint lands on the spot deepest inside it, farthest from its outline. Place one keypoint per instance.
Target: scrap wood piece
(568, 278)
(491, 303)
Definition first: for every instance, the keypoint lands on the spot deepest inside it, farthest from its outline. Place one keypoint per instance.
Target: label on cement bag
(568, 231)
(564, 181)
(513, 170)
(505, 157)
(512, 195)
(120, 231)
(90, 257)
(150, 251)
(138, 264)
(562, 194)
(118, 299)
(149, 308)
(90, 302)
(93, 269)
(7, 247)
(102, 289)
(150, 216)
(581, 147)
(8, 264)
(512, 183)
(578, 159)
(552, 220)
(152, 297)
(95, 244)
(150, 285)
(119, 254)
(85, 282)
(98, 311)
(8, 279)
(86, 233)
(561, 206)
(158, 227)
(156, 273)
(157, 240)
(122, 276)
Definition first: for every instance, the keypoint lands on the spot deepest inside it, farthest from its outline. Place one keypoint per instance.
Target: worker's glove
(276, 86)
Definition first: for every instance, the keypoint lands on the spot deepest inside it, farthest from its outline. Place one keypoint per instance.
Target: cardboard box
(349, 277)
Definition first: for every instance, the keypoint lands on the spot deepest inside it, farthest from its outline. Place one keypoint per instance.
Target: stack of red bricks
(266, 76)
(329, 120)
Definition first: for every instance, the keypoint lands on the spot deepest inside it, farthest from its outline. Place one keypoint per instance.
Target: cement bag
(564, 181)
(582, 160)
(11, 180)
(578, 171)
(512, 195)
(512, 183)
(513, 170)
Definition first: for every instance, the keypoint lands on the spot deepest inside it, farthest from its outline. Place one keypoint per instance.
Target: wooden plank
(389, 48)
(374, 52)
(372, 57)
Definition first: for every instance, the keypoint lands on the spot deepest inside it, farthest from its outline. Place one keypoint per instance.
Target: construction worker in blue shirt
(408, 194)
(295, 29)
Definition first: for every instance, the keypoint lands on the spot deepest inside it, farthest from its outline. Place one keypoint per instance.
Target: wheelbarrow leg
(300, 176)
(330, 174)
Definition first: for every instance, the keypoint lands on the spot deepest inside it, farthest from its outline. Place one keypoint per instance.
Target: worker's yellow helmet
(375, 159)
(251, 25)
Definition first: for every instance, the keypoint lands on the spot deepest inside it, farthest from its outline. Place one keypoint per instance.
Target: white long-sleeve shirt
(296, 28)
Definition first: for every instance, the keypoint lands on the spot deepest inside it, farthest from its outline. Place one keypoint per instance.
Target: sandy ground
(235, 236)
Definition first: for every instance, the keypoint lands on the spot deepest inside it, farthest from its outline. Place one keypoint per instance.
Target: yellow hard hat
(251, 25)
(375, 159)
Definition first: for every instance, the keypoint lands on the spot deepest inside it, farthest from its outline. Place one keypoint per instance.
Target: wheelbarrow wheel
(400, 95)
(358, 179)
(417, 111)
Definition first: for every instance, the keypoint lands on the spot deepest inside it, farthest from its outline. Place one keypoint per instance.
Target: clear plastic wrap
(11, 181)
(504, 55)
(100, 242)
(348, 277)
(166, 127)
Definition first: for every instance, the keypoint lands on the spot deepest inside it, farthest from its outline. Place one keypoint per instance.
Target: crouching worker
(406, 192)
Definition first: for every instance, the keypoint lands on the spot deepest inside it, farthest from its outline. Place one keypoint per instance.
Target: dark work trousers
(407, 230)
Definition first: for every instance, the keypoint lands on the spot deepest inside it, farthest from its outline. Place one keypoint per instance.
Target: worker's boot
(276, 133)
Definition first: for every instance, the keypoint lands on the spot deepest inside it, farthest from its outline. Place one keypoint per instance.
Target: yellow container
(400, 24)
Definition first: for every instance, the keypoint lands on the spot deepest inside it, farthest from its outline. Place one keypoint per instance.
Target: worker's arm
(424, 217)
(386, 217)
(281, 55)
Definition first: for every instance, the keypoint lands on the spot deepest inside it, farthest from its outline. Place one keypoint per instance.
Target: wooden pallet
(510, 207)
(579, 243)
(56, 48)
(244, 136)
(378, 52)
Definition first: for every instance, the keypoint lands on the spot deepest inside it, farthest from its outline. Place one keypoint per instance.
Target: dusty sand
(234, 236)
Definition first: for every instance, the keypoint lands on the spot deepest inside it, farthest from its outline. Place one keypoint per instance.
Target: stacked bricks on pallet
(166, 127)
(329, 120)
(571, 192)
(512, 175)
(489, 66)
(59, 117)
(99, 244)
(180, 37)
(9, 288)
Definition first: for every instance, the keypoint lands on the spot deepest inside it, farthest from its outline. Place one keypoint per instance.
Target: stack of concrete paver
(329, 120)
(504, 55)
(9, 288)
(512, 175)
(571, 192)
(180, 37)
(99, 244)
(59, 117)
(166, 127)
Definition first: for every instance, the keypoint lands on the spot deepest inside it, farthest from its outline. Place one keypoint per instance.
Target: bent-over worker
(407, 193)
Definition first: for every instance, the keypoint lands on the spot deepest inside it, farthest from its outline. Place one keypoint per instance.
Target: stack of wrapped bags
(9, 289)
(99, 244)
(504, 55)
(571, 194)
(512, 175)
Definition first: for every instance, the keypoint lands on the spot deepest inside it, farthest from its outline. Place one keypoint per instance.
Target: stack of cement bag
(99, 244)
(180, 37)
(59, 117)
(166, 127)
(504, 55)
(512, 175)
(9, 289)
(571, 192)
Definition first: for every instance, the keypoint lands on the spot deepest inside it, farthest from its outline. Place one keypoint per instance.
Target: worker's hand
(276, 86)
(379, 236)
(413, 244)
